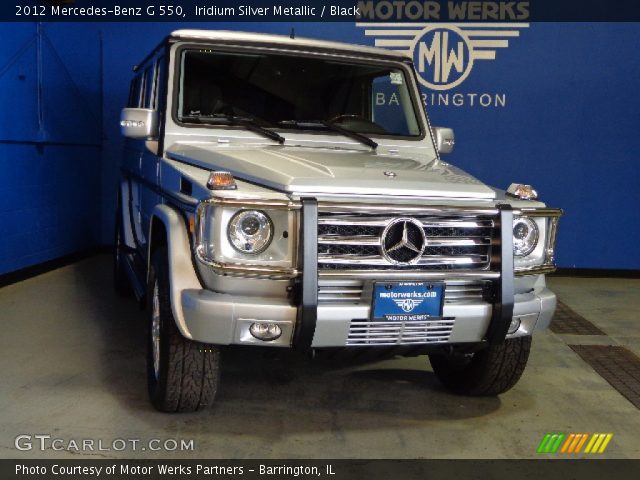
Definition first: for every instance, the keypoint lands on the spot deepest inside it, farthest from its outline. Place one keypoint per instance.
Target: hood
(324, 171)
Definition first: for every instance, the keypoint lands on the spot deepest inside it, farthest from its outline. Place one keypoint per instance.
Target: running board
(136, 277)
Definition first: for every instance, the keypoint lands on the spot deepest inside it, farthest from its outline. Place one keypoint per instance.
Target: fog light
(514, 326)
(265, 331)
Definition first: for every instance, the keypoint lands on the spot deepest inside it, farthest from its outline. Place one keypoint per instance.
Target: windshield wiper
(235, 120)
(331, 126)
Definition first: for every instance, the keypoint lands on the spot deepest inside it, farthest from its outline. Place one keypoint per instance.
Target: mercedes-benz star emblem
(403, 241)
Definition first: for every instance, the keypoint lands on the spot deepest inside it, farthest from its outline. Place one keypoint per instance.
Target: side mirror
(445, 139)
(140, 123)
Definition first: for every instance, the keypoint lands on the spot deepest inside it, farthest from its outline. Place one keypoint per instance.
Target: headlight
(525, 236)
(534, 240)
(250, 231)
(253, 237)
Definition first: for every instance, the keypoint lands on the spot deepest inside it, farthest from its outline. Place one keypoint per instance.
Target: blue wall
(568, 127)
(50, 124)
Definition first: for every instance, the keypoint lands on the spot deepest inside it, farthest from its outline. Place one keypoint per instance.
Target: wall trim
(596, 273)
(50, 265)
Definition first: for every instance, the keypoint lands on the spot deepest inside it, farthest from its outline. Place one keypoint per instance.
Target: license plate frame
(415, 301)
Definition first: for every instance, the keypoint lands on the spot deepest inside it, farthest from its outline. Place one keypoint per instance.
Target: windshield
(295, 92)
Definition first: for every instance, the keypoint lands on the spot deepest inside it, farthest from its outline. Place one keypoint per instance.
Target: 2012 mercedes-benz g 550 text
(289, 193)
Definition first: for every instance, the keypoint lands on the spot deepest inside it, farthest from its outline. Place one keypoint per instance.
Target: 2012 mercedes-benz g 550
(270, 198)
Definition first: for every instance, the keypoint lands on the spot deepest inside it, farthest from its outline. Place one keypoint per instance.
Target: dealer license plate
(407, 301)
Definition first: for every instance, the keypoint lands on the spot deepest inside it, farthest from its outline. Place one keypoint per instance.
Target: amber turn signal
(221, 181)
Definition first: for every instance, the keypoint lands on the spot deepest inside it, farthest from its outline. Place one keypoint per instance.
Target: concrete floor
(73, 367)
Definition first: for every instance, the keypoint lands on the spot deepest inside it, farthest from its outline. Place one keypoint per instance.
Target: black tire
(121, 283)
(188, 372)
(488, 372)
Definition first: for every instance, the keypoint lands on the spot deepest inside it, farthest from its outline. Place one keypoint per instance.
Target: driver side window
(388, 95)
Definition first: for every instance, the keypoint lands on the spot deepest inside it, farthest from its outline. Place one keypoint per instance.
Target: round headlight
(525, 236)
(250, 231)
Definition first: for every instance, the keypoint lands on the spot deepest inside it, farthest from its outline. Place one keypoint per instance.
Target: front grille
(353, 242)
(365, 333)
(461, 292)
(347, 291)
(354, 291)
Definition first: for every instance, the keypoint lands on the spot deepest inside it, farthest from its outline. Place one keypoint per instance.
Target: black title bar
(385, 11)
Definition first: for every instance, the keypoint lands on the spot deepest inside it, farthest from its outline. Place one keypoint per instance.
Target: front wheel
(488, 372)
(183, 375)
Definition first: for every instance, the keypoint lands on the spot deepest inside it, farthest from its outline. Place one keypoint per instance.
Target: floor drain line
(617, 365)
(567, 322)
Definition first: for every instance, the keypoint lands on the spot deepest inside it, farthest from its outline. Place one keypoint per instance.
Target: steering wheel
(357, 122)
(348, 116)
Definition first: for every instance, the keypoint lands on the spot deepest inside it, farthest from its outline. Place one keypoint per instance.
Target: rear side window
(134, 92)
(145, 89)
(159, 80)
(149, 81)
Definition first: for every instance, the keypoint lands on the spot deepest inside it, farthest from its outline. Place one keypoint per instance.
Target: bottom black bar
(313, 469)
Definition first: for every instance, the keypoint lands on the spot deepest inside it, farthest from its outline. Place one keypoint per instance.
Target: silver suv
(289, 193)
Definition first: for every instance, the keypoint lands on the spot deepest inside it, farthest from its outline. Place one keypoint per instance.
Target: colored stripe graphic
(573, 443)
(598, 443)
(569, 441)
(551, 442)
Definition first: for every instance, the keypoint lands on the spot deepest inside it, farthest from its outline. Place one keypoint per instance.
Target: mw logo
(444, 53)
(443, 57)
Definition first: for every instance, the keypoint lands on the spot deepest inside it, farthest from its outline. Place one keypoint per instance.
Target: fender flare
(182, 273)
(122, 211)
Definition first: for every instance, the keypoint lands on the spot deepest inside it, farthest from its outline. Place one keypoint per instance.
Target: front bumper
(210, 316)
(224, 319)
